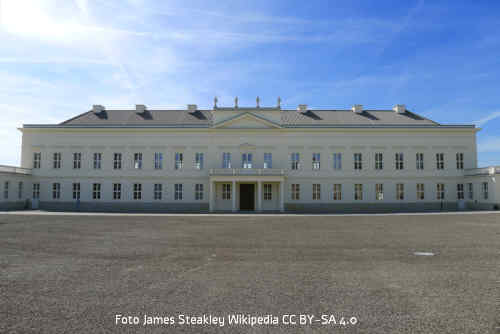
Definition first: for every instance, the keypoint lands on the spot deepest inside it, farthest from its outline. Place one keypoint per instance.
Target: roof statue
(236, 102)
(279, 102)
(215, 102)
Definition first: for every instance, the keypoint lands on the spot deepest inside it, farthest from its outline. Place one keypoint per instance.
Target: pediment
(247, 120)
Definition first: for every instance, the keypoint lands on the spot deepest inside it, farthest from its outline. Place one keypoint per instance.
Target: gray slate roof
(289, 118)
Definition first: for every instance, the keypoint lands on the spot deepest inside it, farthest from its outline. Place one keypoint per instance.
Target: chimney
(399, 108)
(98, 108)
(140, 108)
(357, 108)
(192, 107)
(302, 108)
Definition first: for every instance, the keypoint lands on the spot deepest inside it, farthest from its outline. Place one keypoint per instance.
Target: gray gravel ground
(73, 274)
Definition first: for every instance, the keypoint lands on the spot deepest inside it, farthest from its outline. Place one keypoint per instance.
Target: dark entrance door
(247, 198)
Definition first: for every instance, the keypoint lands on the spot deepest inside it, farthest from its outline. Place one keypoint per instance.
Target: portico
(247, 190)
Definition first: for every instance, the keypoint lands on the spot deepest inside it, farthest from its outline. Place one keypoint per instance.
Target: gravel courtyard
(75, 273)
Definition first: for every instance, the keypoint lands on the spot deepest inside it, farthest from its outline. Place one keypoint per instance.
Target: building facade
(249, 159)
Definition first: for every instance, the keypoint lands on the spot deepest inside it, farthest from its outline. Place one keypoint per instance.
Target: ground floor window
(400, 191)
(420, 191)
(117, 191)
(379, 191)
(337, 192)
(178, 192)
(157, 191)
(358, 192)
(6, 190)
(440, 191)
(460, 191)
(316, 191)
(268, 191)
(36, 190)
(96, 191)
(137, 191)
(226, 191)
(295, 192)
(76, 191)
(198, 192)
(56, 190)
(20, 188)
(485, 190)
(471, 190)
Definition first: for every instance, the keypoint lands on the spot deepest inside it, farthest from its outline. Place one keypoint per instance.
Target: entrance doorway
(247, 197)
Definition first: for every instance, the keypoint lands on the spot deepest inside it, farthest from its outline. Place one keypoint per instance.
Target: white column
(282, 196)
(259, 195)
(211, 202)
(233, 194)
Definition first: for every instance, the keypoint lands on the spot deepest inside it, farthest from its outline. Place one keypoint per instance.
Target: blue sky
(440, 58)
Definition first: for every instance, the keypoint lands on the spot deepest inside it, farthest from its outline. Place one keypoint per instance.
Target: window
(485, 190)
(6, 190)
(471, 190)
(295, 160)
(178, 192)
(316, 161)
(76, 191)
(268, 192)
(420, 161)
(36, 190)
(226, 160)
(179, 160)
(337, 192)
(420, 191)
(137, 191)
(295, 192)
(117, 161)
(440, 160)
(358, 161)
(440, 191)
(400, 191)
(268, 160)
(460, 160)
(337, 161)
(379, 161)
(37, 160)
(226, 191)
(77, 160)
(316, 191)
(57, 160)
(358, 192)
(96, 191)
(158, 160)
(97, 160)
(137, 160)
(56, 190)
(246, 160)
(198, 191)
(198, 160)
(460, 191)
(399, 161)
(117, 191)
(157, 191)
(20, 190)
(379, 191)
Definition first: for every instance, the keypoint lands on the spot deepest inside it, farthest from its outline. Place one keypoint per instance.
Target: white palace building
(249, 159)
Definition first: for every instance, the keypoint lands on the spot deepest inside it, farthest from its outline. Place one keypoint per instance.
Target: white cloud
(488, 118)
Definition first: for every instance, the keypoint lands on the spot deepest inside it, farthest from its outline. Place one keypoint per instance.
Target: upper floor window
(226, 160)
(460, 191)
(77, 160)
(460, 160)
(400, 191)
(440, 191)
(379, 161)
(470, 187)
(246, 160)
(117, 191)
(358, 192)
(97, 160)
(268, 191)
(420, 161)
(178, 193)
(485, 190)
(198, 160)
(337, 161)
(379, 191)
(226, 191)
(316, 195)
(399, 161)
(137, 160)
(137, 191)
(295, 160)
(179, 160)
(198, 192)
(337, 192)
(440, 160)
(158, 156)
(6, 190)
(37, 160)
(358, 161)
(268, 160)
(316, 161)
(96, 191)
(117, 161)
(76, 190)
(420, 191)
(57, 160)
(36, 190)
(157, 191)
(56, 190)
